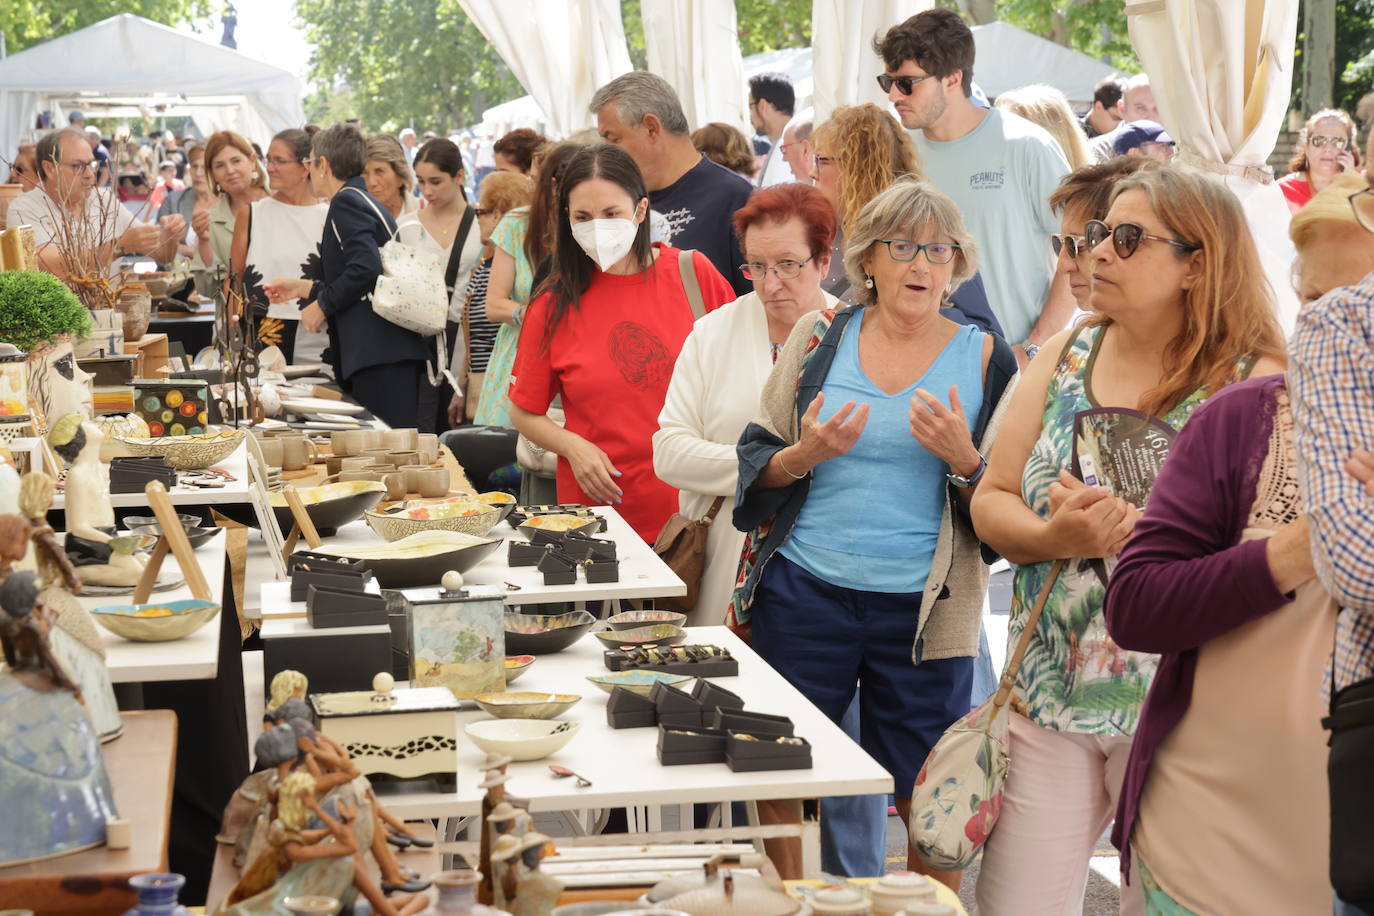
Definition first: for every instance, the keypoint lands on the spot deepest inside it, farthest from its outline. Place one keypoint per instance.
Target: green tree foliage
(1096, 28)
(1354, 56)
(30, 22)
(409, 63)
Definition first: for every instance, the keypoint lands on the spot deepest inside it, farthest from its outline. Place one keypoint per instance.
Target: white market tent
(125, 66)
(1007, 57)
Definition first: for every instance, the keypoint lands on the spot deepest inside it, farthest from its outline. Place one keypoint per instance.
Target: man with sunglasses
(67, 212)
(998, 168)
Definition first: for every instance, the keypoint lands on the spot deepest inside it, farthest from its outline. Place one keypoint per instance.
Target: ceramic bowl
(189, 522)
(594, 907)
(555, 523)
(640, 682)
(520, 739)
(468, 517)
(197, 535)
(187, 453)
(517, 665)
(632, 619)
(503, 501)
(543, 634)
(182, 619)
(332, 505)
(420, 559)
(663, 632)
(527, 705)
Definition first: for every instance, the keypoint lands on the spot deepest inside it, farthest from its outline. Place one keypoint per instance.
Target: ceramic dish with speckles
(527, 704)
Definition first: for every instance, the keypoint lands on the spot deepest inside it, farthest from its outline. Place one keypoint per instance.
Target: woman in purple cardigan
(1225, 797)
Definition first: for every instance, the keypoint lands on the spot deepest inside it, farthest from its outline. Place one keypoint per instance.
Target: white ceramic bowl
(521, 739)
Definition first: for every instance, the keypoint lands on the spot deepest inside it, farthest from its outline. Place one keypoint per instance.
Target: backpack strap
(690, 284)
(455, 254)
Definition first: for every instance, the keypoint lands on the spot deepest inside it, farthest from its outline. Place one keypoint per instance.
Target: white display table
(233, 492)
(642, 573)
(622, 763)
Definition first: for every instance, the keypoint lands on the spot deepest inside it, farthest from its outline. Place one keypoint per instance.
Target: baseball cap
(1137, 132)
(75, 115)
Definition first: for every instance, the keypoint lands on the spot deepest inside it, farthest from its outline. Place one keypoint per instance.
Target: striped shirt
(481, 332)
(1332, 382)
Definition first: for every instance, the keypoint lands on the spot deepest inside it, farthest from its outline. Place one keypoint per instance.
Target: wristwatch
(965, 483)
(1031, 349)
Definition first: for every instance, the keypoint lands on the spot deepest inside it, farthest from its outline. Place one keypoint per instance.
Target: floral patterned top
(493, 406)
(1074, 678)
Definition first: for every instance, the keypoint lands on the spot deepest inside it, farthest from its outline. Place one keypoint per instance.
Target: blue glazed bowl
(640, 682)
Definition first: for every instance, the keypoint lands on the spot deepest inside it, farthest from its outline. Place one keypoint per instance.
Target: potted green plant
(40, 315)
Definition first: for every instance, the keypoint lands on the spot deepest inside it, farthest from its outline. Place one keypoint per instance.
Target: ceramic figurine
(286, 685)
(535, 892)
(75, 640)
(505, 871)
(57, 383)
(274, 747)
(54, 791)
(457, 895)
(100, 558)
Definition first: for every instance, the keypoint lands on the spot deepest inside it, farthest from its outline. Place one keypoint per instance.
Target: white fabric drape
(843, 62)
(561, 52)
(126, 56)
(1221, 72)
(693, 44)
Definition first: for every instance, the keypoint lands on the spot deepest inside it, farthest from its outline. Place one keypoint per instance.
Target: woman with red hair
(785, 233)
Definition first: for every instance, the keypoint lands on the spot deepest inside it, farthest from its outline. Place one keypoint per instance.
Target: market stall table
(623, 766)
(642, 573)
(139, 764)
(234, 492)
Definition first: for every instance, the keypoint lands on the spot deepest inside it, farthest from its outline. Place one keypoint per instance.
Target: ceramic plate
(640, 682)
(302, 370)
(322, 406)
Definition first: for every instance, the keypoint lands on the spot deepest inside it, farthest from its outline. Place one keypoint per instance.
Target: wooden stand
(152, 351)
(301, 525)
(140, 765)
(174, 537)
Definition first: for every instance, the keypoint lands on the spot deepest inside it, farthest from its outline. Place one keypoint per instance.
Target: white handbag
(410, 293)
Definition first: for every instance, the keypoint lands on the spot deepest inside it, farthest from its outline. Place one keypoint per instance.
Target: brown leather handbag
(682, 546)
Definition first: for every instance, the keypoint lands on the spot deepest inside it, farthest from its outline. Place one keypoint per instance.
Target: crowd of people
(863, 355)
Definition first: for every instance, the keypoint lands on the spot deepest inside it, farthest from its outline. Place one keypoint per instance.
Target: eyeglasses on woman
(1126, 237)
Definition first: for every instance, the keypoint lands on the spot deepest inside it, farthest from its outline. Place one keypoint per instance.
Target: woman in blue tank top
(861, 567)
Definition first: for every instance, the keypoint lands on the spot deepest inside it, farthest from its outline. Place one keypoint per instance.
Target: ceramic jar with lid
(900, 890)
(840, 900)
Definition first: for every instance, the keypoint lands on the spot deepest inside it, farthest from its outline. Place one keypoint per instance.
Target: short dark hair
(344, 146)
(775, 89)
(1109, 91)
(519, 146)
(937, 40)
(50, 147)
(298, 140)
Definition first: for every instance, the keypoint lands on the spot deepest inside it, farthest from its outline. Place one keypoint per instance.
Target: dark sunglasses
(1076, 244)
(1126, 237)
(904, 84)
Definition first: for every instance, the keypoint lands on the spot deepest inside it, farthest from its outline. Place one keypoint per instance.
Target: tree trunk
(981, 11)
(1318, 54)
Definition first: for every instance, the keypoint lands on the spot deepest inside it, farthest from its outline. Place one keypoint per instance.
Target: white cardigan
(713, 395)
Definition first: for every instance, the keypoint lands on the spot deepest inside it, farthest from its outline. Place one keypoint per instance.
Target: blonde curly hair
(284, 686)
(871, 151)
(291, 810)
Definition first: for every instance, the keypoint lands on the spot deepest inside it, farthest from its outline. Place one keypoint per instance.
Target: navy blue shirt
(700, 209)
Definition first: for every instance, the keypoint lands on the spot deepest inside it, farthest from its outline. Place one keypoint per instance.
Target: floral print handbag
(958, 793)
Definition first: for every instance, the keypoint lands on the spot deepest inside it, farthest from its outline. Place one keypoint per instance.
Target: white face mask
(606, 241)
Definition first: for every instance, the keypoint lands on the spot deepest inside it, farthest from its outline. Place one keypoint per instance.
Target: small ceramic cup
(370, 438)
(432, 482)
(401, 440)
(428, 448)
(401, 459)
(297, 452)
(346, 442)
(376, 455)
(271, 451)
(359, 475)
(411, 473)
(395, 485)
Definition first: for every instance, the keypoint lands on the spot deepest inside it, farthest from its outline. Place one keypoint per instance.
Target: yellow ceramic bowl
(468, 518)
(527, 704)
(186, 453)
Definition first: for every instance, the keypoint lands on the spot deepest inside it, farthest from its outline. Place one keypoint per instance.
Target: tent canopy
(128, 59)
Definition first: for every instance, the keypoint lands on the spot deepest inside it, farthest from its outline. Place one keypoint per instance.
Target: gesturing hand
(1361, 467)
(284, 289)
(313, 317)
(833, 438)
(943, 431)
(594, 471)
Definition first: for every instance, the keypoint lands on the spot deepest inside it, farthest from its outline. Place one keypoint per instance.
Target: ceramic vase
(135, 307)
(458, 895)
(157, 895)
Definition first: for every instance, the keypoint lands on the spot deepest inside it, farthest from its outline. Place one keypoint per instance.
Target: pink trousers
(1060, 796)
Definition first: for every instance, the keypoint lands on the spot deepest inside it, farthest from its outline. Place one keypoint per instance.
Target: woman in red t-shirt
(604, 334)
